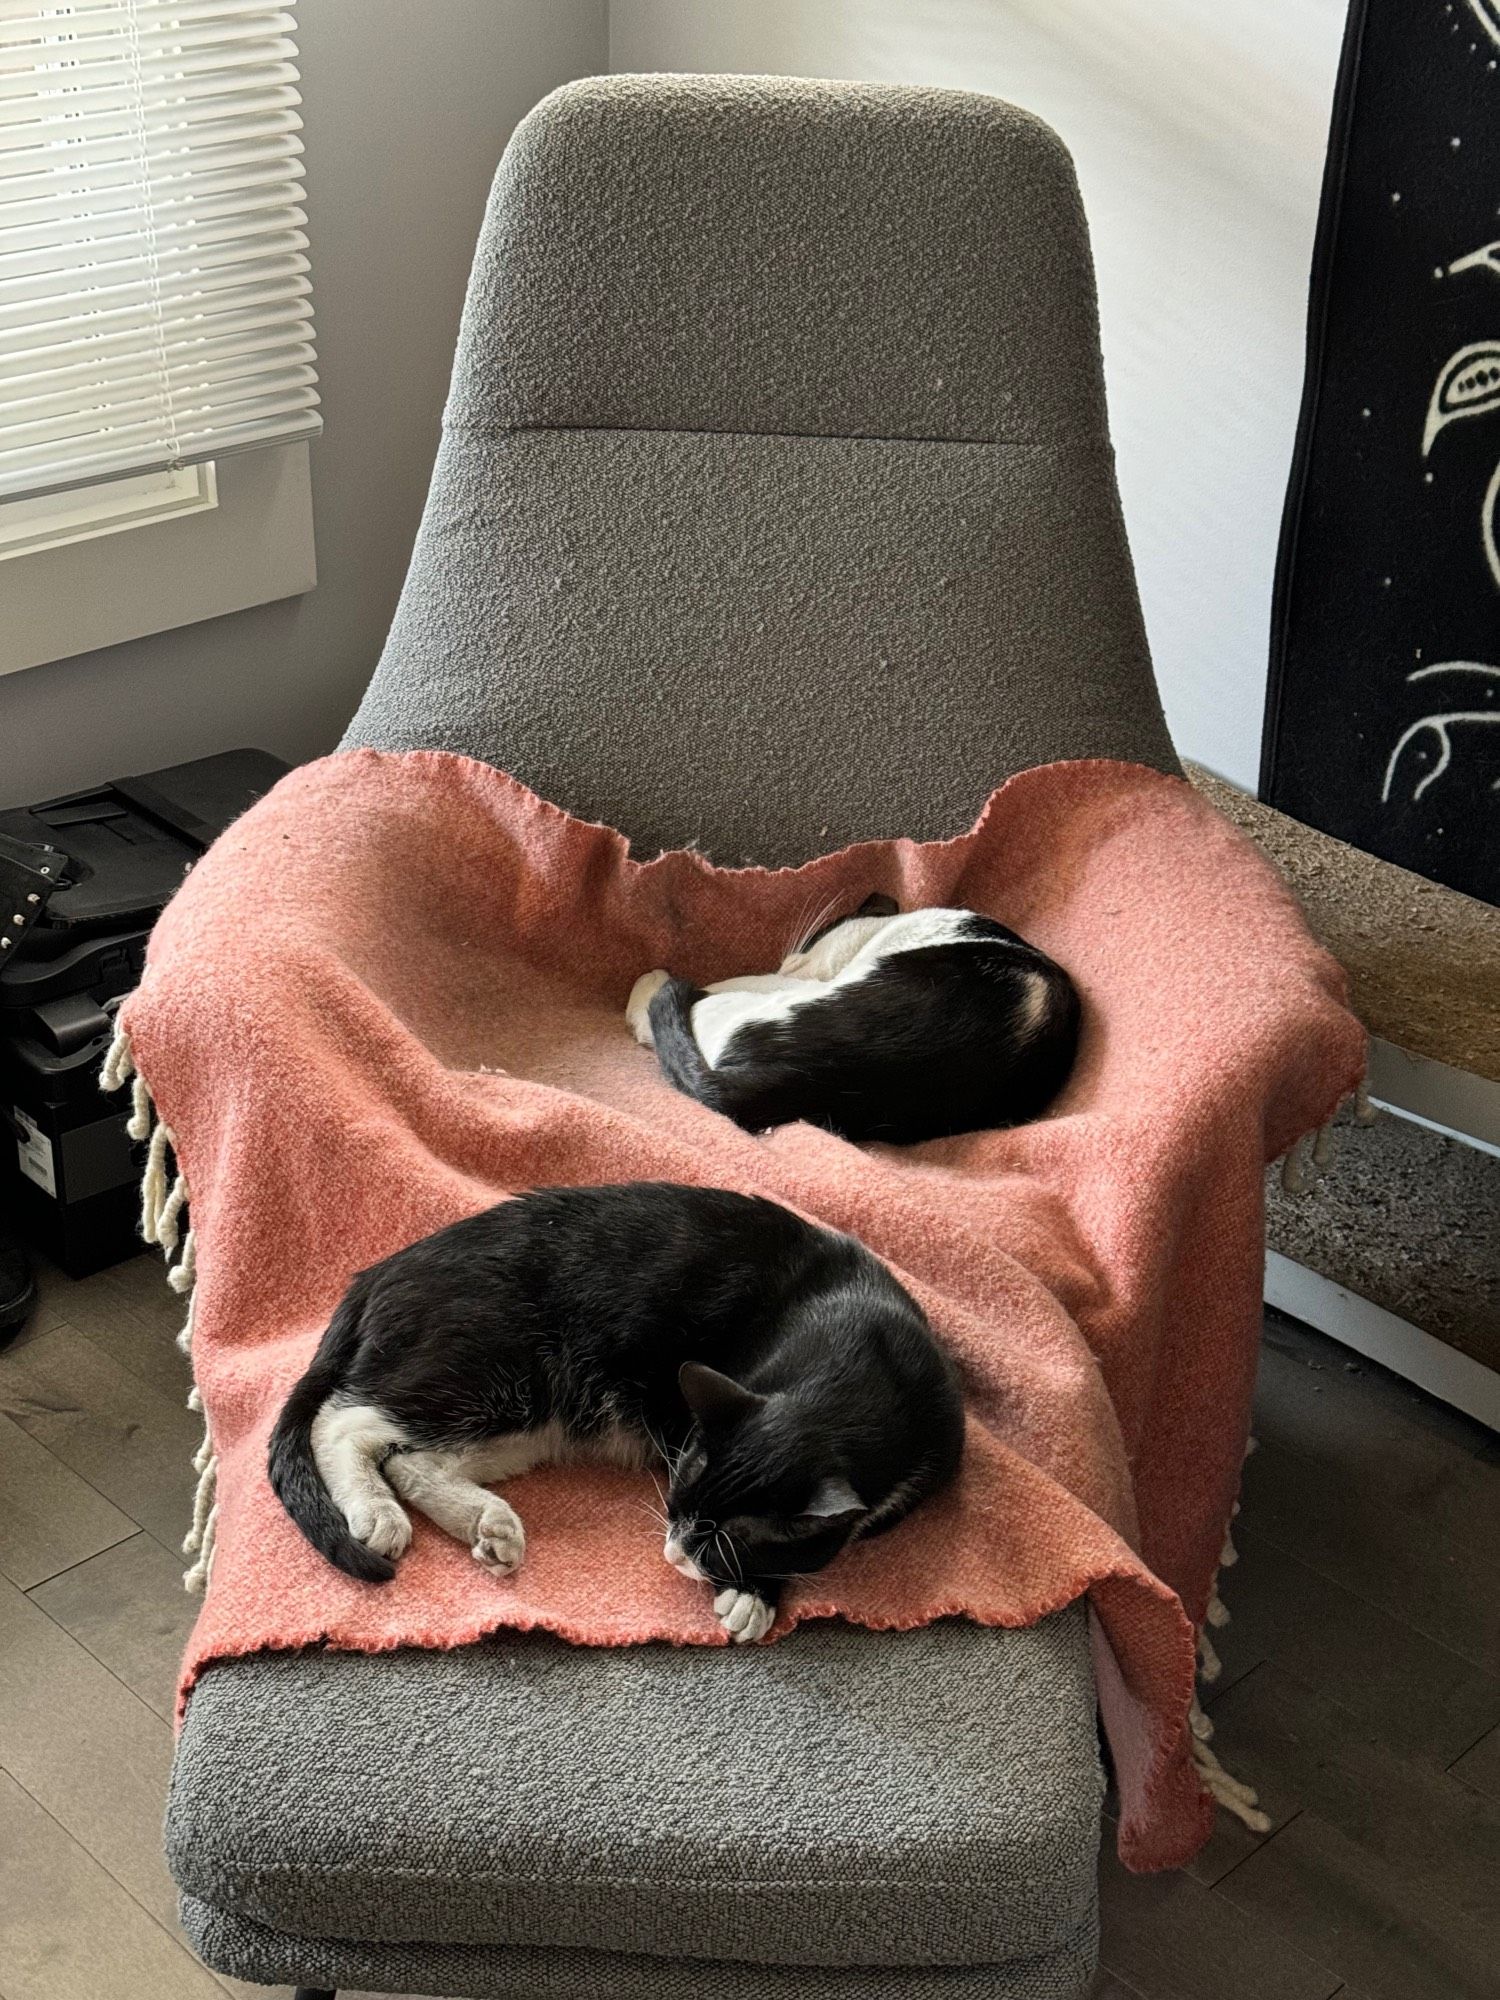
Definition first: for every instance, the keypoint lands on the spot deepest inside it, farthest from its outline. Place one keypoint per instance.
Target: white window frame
(83, 513)
(253, 546)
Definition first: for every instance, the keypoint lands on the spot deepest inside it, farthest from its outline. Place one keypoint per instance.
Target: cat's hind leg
(350, 1444)
(444, 1485)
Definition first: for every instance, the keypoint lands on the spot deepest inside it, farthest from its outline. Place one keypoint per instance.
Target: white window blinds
(155, 308)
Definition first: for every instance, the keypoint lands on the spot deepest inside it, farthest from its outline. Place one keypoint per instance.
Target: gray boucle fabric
(837, 1799)
(246, 1950)
(766, 645)
(775, 507)
(714, 253)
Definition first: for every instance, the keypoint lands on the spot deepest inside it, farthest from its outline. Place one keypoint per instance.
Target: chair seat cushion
(841, 1798)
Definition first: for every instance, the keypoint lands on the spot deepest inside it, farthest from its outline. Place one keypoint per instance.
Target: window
(155, 304)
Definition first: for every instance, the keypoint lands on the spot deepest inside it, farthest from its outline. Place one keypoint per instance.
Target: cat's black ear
(831, 1500)
(879, 906)
(714, 1398)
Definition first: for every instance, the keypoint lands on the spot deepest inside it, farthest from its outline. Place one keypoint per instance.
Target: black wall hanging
(1383, 704)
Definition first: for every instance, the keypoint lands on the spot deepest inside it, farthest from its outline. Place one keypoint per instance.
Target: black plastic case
(124, 847)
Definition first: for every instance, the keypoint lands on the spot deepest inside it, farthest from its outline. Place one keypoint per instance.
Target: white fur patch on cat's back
(718, 1016)
(849, 953)
(1036, 1005)
(857, 947)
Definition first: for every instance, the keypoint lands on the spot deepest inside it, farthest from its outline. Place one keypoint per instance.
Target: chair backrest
(775, 505)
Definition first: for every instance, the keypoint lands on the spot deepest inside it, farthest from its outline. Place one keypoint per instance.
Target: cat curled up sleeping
(789, 1383)
(880, 1026)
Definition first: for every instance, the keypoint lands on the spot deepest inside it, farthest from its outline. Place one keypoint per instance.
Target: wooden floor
(1360, 1692)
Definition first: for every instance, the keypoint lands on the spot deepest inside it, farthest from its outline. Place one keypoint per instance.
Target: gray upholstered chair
(774, 509)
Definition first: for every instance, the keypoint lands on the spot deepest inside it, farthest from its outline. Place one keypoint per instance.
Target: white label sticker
(35, 1151)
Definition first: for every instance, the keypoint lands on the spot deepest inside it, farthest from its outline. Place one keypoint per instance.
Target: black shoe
(17, 1287)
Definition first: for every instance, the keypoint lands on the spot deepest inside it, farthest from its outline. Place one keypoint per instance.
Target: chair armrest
(1423, 960)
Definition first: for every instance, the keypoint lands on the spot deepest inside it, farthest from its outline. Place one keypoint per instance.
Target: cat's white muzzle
(680, 1560)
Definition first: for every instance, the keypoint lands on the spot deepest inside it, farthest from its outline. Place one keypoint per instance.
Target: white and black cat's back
(884, 1025)
(791, 1385)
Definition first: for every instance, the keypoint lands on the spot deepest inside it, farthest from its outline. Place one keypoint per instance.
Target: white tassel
(203, 1499)
(196, 1578)
(181, 1275)
(138, 1124)
(1228, 1792)
(195, 1399)
(1198, 1722)
(1218, 1612)
(1364, 1111)
(1324, 1147)
(171, 1208)
(1296, 1173)
(185, 1337)
(119, 1064)
(154, 1183)
(1210, 1666)
(1229, 1555)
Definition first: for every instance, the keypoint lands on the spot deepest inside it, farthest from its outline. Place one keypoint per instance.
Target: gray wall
(403, 131)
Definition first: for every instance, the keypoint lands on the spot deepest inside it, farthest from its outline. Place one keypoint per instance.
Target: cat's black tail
(293, 1469)
(681, 1059)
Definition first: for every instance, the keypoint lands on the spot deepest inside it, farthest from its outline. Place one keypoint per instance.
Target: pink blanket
(393, 993)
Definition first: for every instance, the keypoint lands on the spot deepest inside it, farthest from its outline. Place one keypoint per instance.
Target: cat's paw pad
(381, 1525)
(638, 1006)
(744, 1616)
(499, 1539)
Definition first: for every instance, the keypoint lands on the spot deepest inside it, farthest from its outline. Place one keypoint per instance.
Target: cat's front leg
(746, 1615)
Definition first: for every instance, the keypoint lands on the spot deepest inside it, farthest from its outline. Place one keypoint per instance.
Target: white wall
(1199, 129)
(403, 131)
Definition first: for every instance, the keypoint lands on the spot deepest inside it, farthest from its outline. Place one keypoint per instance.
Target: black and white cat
(882, 1026)
(792, 1386)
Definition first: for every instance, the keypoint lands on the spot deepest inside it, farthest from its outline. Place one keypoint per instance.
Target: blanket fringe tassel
(164, 1198)
(1310, 1157)
(1226, 1791)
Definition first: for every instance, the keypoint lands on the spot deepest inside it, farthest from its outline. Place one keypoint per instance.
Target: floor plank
(127, 1439)
(1368, 1396)
(1336, 1903)
(87, 1750)
(129, 1609)
(49, 1517)
(1417, 1695)
(1421, 1831)
(1171, 1938)
(1406, 1522)
(135, 1322)
(70, 1931)
(1479, 1767)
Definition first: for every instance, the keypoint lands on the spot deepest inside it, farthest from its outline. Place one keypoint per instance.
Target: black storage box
(122, 850)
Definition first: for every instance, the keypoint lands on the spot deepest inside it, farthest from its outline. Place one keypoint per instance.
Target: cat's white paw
(499, 1538)
(638, 1006)
(744, 1616)
(381, 1525)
